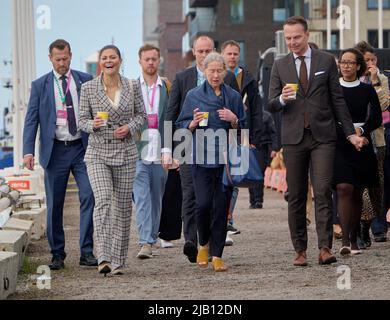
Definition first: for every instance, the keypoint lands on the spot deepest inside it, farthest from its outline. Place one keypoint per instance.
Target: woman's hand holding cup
(98, 122)
(100, 119)
(198, 117)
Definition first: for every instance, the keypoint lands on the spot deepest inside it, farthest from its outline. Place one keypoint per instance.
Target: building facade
(150, 22)
(252, 23)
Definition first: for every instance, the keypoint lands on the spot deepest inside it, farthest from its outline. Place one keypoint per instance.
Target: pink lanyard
(151, 103)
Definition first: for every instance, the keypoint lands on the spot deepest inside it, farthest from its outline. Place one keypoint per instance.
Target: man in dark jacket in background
(268, 149)
(249, 90)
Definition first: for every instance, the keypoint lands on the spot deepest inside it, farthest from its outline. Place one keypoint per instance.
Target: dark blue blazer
(42, 113)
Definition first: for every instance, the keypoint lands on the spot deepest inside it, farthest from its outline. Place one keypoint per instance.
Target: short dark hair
(359, 60)
(364, 47)
(110, 46)
(148, 47)
(202, 36)
(297, 20)
(59, 44)
(230, 43)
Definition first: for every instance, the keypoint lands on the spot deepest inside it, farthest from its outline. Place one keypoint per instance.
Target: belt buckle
(66, 143)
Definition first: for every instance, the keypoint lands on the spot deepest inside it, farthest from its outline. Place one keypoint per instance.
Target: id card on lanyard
(152, 117)
(62, 114)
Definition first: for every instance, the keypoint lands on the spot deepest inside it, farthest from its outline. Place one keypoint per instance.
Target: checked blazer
(102, 145)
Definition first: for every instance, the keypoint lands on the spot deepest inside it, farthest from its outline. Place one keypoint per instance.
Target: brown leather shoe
(300, 259)
(326, 256)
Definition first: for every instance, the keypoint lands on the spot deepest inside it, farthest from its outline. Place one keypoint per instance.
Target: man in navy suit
(53, 107)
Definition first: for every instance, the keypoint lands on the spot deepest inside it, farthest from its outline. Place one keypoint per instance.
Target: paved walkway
(259, 266)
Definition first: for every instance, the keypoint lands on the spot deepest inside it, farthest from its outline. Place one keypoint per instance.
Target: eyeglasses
(347, 63)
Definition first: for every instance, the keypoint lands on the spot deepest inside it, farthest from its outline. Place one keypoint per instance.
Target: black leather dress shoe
(191, 251)
(88, 260)
(57, 263)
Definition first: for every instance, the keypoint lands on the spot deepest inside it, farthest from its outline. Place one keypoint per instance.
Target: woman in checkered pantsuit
(111, 155)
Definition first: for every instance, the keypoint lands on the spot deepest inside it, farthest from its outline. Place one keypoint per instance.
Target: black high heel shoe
(104, 268)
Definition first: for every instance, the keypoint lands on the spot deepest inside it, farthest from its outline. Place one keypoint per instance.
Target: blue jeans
(148, 191)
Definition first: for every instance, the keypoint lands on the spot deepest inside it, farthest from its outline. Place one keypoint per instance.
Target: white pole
(341, 27)
(328, 25)
(380, 24)
(23, 69)
(357, 21)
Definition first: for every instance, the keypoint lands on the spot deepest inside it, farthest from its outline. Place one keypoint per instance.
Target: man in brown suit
(309, 133)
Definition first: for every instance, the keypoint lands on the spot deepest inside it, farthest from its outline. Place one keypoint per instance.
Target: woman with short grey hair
(211, 106)
(214, 57)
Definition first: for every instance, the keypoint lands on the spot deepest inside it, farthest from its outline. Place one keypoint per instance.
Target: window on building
(335, 40)
(373, 4)
(242, 52)
(319, 10)
(374, 41)
(237, 11)
(283, 9)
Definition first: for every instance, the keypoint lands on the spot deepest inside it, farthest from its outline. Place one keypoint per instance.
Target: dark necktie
(69, 107)
(303, 79)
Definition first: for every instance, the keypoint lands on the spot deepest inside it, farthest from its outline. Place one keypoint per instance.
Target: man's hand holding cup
(289, 92)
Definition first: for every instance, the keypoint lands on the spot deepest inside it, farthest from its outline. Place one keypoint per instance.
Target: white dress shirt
(298, 67)
(62, 132)
(153, 134)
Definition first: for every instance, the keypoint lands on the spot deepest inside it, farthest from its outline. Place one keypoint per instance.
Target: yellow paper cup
(205, 120)
(103, 115)
(295, 87)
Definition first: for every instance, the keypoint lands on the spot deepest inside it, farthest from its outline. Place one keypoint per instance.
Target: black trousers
(256, 194)
(190, 230)
(211, 208)
(386, 194)
(320, 157)
(170, 222)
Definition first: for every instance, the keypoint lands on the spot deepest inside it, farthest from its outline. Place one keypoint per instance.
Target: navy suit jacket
(42, 113)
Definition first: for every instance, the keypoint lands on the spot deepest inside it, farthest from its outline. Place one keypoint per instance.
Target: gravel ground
(260, 266)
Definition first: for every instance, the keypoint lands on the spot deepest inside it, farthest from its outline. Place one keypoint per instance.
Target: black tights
(350, 208)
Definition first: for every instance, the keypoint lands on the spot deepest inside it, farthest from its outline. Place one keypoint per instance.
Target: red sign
(19, 184)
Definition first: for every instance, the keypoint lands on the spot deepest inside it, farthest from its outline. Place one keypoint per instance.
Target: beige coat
(102, 145)
(383, 95)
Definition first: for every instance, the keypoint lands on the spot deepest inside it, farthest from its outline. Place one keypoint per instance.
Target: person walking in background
(309, 117)
(225, 111)
(355, 170)
(170, 221)
(112, 112)
(54, 109)
(184, 82)
(150, 178)
(248, 88)
(374, 199)
(268, 150)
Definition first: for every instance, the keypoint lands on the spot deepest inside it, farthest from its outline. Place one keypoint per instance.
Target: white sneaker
(166, 244)
(228, 241)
